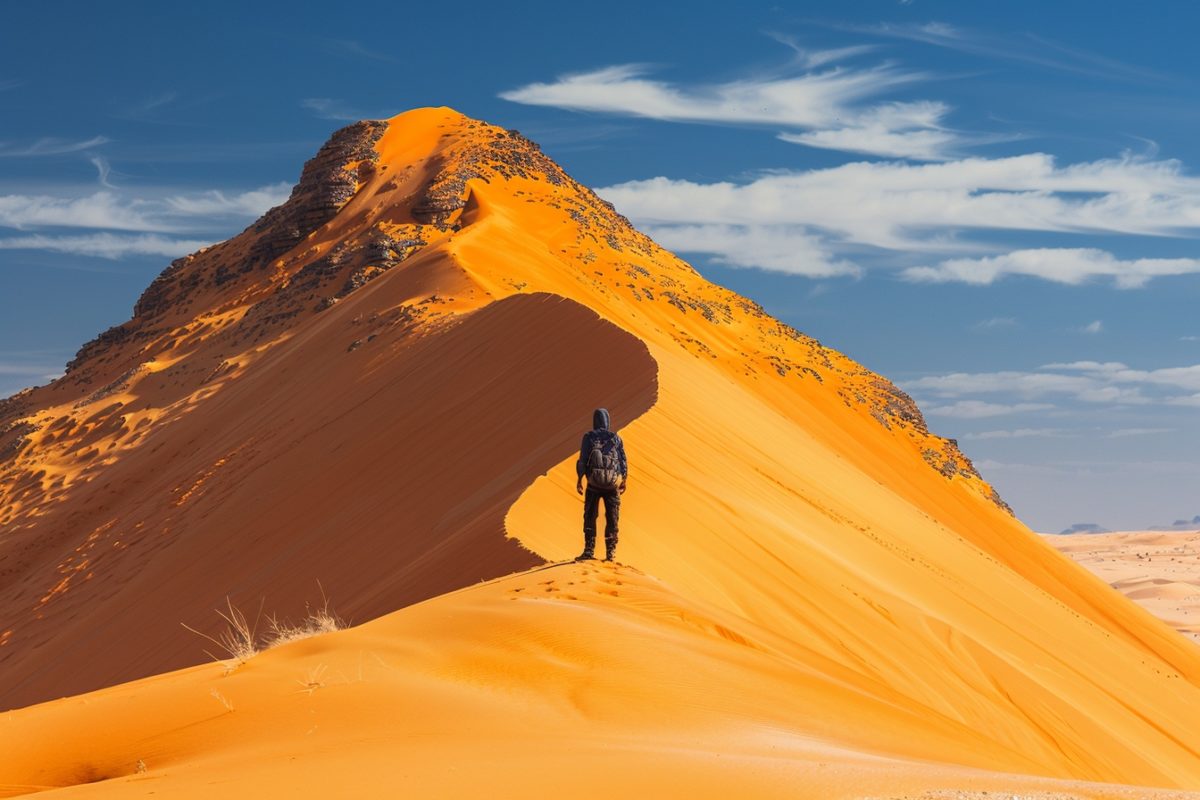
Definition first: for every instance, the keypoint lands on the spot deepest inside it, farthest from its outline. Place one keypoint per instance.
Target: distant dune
(377, 391)
(1159, 570)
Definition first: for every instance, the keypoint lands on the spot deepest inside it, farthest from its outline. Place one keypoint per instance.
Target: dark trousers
(612, 512)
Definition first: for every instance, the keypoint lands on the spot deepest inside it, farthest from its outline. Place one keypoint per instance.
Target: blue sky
(994, 204)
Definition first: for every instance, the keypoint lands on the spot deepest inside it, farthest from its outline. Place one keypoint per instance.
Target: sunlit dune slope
(380, 386)
(581, 680)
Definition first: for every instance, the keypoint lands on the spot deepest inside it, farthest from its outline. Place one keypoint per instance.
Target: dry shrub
(315, 622)
(240, 639)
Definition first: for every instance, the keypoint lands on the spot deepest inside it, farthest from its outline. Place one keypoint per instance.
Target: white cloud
(1191, 400)
(778, 249)
(50, 146)
(977, 409)
(251, 203)
(909, 207)
(996, 323)
(102, 171)
(26, 369)
(1061, 265)
(106, 245)
(923, 145)
(350, 47)
(1028, 49)
(112, 210)
(332, 108)
(826, 106)
(1122, 433)
(98, 210)
(1094, 327)
(927, 208)
(1108, 383)
(1114, 371)
(1019, 433)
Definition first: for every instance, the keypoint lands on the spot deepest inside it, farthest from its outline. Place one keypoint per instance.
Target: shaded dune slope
(434, 280)
(384, 477)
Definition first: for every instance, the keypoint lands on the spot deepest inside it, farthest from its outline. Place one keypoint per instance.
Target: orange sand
(573, 680)
(838, 605)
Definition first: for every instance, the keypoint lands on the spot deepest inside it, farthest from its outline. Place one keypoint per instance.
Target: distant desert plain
(1159, 570)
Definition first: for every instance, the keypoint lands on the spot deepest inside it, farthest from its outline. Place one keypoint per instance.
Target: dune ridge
(870, 596)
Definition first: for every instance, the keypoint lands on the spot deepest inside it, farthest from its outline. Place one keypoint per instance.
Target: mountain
(376, 392)
(1083, 527)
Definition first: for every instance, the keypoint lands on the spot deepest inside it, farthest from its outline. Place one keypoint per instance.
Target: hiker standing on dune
(602, 459)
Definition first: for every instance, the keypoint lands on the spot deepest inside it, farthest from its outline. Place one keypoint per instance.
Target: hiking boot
(586, 555)
(610, 557)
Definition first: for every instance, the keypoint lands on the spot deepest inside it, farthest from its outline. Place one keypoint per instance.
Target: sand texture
(1160, 570)
(380, 387)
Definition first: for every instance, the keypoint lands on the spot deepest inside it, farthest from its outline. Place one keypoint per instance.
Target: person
(602, 459)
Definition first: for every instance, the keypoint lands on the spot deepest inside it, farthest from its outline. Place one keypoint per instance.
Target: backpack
(603, 469)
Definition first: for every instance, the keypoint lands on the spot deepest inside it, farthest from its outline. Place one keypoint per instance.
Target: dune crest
(380, 385)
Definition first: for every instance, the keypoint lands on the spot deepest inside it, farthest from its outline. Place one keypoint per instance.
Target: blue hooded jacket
(600, 434)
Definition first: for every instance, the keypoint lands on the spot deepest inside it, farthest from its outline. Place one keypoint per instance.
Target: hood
(600, 418)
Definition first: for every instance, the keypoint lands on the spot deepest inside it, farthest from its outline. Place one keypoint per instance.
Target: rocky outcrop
(113, 337)
(13, 437)
(327, 182)
(893, 405)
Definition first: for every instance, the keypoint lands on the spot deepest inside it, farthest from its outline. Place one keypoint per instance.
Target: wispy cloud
(50, 146)
(115, 210)
(25, 369)
(1094, 382)
(332, 108)
(98, 210)
(149, 107)
(1094, 327)
(19, 369)
(1019, 433)
(929, 144)
(106, 245)
(770, 248)
(1122, 433)
(978, 409)
(1060, 265)
(103, 170)
(996, 323)
(812, 58)
(10, 83)
(1062, 433)
(925, 208)
(824, 109)
(1027, 49)
(214, 202)
(356, 49)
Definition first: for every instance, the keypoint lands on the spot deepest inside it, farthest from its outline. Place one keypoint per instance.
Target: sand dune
(380, 386)
(303, 472)
(1161, 571)
(581, 680)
